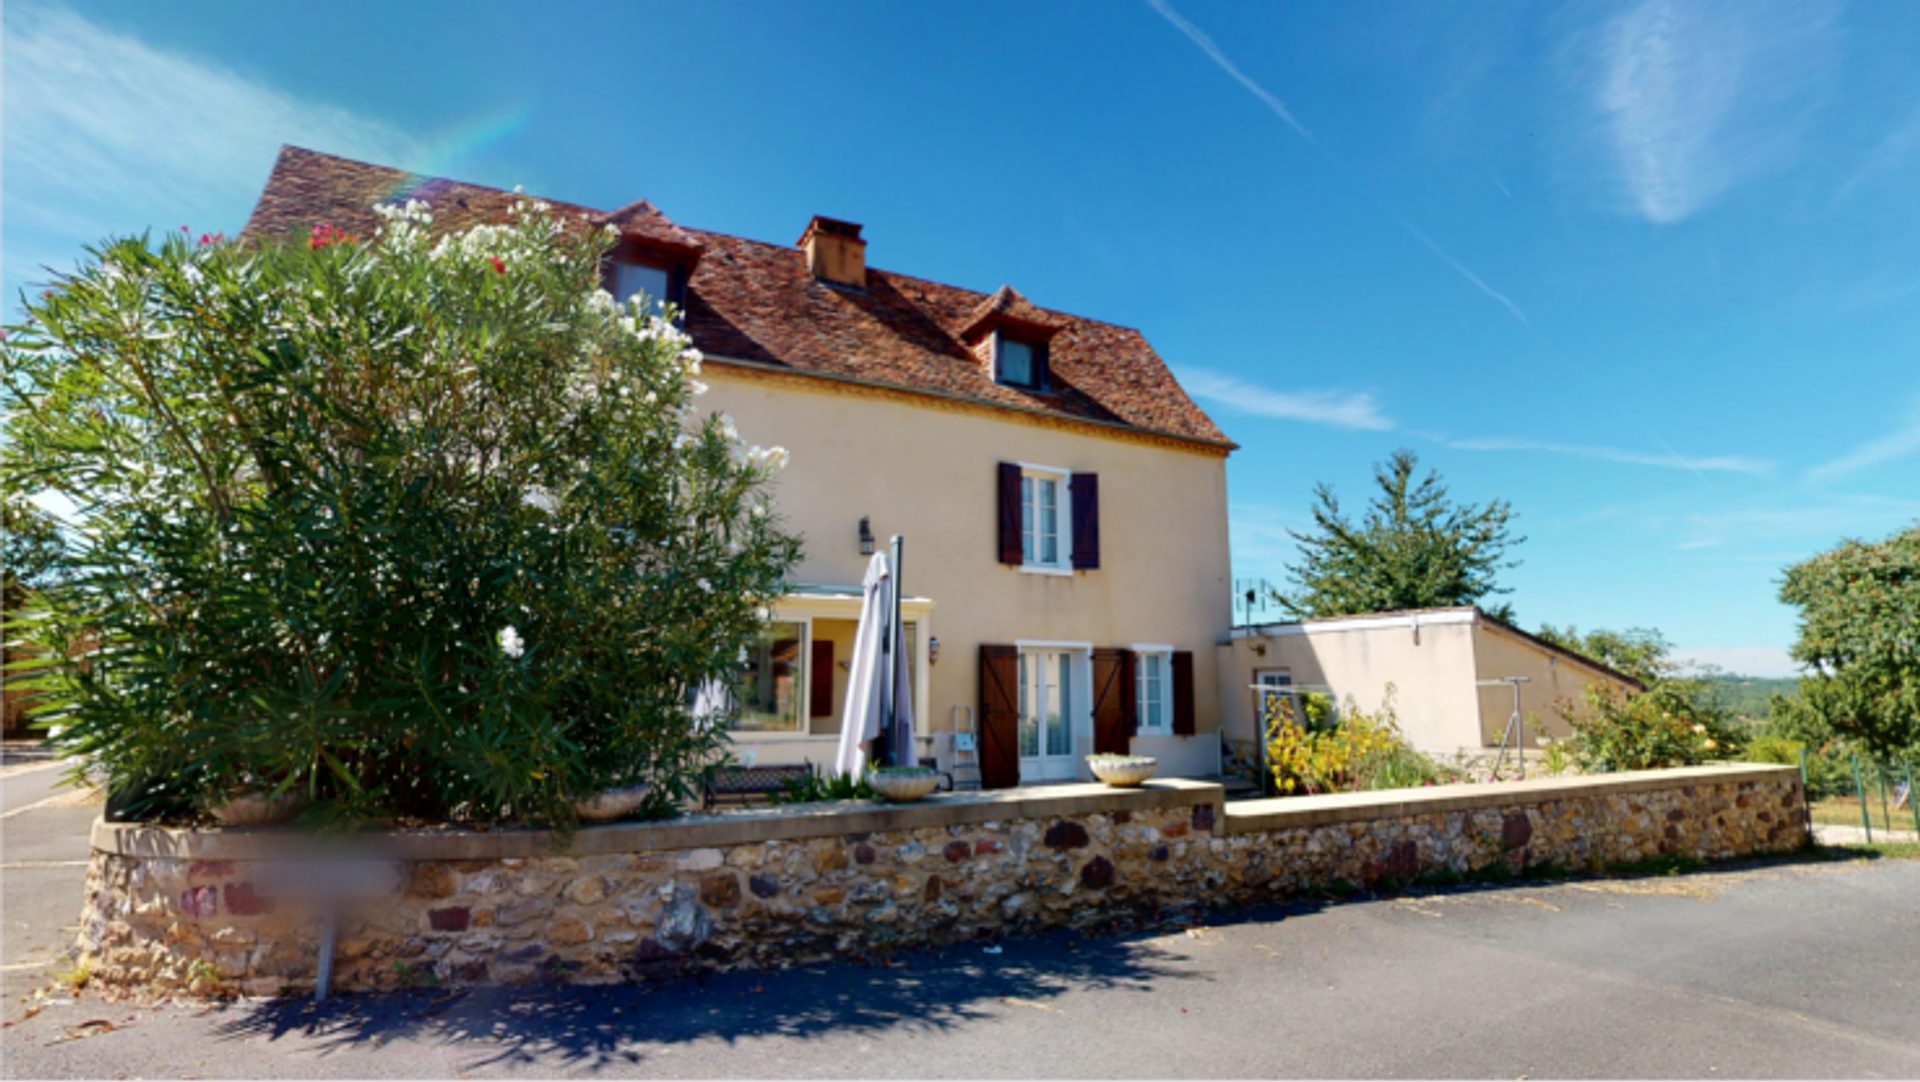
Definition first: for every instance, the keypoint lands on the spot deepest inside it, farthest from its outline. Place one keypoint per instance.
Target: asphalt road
(43, 856)
(1801, 970)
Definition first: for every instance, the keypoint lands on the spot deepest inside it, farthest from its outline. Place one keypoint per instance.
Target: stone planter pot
(1123, 772)
(259, 809)
(610, 805)
(904, 787)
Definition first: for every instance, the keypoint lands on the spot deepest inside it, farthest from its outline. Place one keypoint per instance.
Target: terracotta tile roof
(755, 302)
(1008, 308)
(644, 220)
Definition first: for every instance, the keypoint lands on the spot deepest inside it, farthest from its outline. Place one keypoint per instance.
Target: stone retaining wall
(778, 887)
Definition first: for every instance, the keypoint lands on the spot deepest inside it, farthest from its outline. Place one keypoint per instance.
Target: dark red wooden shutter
(1010, 514)
(999, 717)
(1112, 697)
(1085, 488)
(820, 697)
(1183, 693)
(1131, 677)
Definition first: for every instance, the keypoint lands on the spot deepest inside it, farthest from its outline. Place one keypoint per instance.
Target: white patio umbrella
(867, 693)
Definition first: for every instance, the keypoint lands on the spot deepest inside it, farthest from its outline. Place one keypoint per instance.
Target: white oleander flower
(510, 642)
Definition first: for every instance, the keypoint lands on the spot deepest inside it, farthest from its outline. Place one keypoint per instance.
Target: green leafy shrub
(1664, 726)
(414, 526)
(815, 788)
(1359, 752)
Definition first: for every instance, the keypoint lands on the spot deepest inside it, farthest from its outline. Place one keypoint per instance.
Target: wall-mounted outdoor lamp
(933, 650)
(866, 538)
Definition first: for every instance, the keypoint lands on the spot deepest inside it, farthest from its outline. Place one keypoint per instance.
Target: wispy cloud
(1664, 459)
(108, 134)
(1898, 150)
(1279, 109)
(1339, 409)
(1898, 444)
(1697, 97)
(1262, 539)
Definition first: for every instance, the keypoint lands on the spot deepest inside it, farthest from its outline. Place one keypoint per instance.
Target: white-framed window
(1046, 542)
(1153, 688)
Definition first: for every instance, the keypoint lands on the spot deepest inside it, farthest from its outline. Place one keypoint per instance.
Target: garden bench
(741, 784)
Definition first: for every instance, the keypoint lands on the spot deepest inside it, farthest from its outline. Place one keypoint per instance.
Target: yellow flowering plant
(1358, 751)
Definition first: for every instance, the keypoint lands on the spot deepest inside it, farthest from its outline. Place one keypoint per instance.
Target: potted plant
(611, 804)
(902, 784)
(1122, 771)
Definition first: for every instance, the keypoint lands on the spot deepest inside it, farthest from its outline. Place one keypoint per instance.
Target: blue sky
(1645, 269)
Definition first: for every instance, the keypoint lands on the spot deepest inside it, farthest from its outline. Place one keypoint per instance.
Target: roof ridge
(899, 276)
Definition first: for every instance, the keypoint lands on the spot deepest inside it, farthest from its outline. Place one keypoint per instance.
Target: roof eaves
(1220, 446)
(1555, 648)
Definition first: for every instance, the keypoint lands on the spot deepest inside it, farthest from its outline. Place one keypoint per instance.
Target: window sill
(1038, 569)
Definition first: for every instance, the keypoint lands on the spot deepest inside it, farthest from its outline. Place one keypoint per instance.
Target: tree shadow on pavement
(926, 990)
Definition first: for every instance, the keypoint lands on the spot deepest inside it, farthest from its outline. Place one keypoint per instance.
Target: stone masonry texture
(610, 917)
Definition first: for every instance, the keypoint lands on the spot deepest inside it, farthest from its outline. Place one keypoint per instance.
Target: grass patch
(1844, 811)
(1875, 851)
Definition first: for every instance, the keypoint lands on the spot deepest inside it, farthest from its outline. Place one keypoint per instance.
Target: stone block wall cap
(1281, 813)
(784, 823)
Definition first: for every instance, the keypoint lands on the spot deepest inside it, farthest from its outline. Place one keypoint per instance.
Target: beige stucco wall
(1552, 680)
(928, 473)
(1435, 674)
(1431, 672)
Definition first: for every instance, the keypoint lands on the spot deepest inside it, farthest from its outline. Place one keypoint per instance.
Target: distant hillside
(1748, 695)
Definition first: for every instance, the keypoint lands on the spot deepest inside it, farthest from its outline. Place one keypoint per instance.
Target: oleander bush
(1667, 725)
(417, 526)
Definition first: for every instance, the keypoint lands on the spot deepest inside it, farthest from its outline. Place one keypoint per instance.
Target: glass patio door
(1046, 713)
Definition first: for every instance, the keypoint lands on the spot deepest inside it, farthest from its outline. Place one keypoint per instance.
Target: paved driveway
(1798, 970)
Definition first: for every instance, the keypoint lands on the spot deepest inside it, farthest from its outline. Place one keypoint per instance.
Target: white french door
(1046, 715)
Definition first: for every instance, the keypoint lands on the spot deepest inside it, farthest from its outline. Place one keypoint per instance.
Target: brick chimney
(835, 252)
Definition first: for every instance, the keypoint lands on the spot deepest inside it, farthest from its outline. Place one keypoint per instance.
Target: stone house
(1063, 502)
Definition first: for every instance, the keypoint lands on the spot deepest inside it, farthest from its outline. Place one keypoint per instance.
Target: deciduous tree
(1860, 634)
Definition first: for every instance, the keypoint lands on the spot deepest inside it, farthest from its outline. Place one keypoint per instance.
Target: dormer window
(632, 277)
(1019, 364)
(653, 258)
(1010, 338)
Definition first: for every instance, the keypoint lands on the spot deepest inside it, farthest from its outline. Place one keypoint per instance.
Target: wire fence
(1855, 799)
